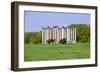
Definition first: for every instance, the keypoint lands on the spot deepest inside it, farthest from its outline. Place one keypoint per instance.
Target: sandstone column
(62, 32)
(68, 35)
(75, 35)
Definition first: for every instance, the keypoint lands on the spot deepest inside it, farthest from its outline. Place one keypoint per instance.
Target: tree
(33, 37)
(82, 32)
(50, 41)
(63, 41)
(37, 37)
(28, 37)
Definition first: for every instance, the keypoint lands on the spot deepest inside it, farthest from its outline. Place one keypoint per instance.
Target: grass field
(39, 52)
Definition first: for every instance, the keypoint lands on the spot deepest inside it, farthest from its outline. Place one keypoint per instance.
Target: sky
(35, 20)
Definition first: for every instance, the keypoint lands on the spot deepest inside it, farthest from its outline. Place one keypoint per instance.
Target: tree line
(82, 35)
(32, 37)
(82, 32)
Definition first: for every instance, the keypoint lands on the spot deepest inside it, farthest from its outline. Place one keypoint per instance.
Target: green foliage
(50, 41)
(33, 37)
(63, 41)
(82, 32)
(28, 37)
(37, 37)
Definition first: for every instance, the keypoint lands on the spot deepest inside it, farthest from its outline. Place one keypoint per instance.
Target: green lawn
(39, 52)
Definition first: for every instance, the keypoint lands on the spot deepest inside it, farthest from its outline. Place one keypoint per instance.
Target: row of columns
(56, 33)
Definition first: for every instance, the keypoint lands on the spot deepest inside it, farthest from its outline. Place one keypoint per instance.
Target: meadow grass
(42, 52)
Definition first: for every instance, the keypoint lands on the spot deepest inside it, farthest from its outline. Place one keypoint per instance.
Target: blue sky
(35, 20)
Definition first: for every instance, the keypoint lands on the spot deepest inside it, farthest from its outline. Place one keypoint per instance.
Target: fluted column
(57, 35)
(45, 35)
(68, 35)
(75, 35)
(62, 33)
(50, 33)
(53, 33)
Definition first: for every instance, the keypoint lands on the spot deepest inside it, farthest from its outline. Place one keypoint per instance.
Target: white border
(23, 64)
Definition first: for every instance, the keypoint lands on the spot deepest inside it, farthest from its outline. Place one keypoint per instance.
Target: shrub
(50, 41)
(63, 41)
